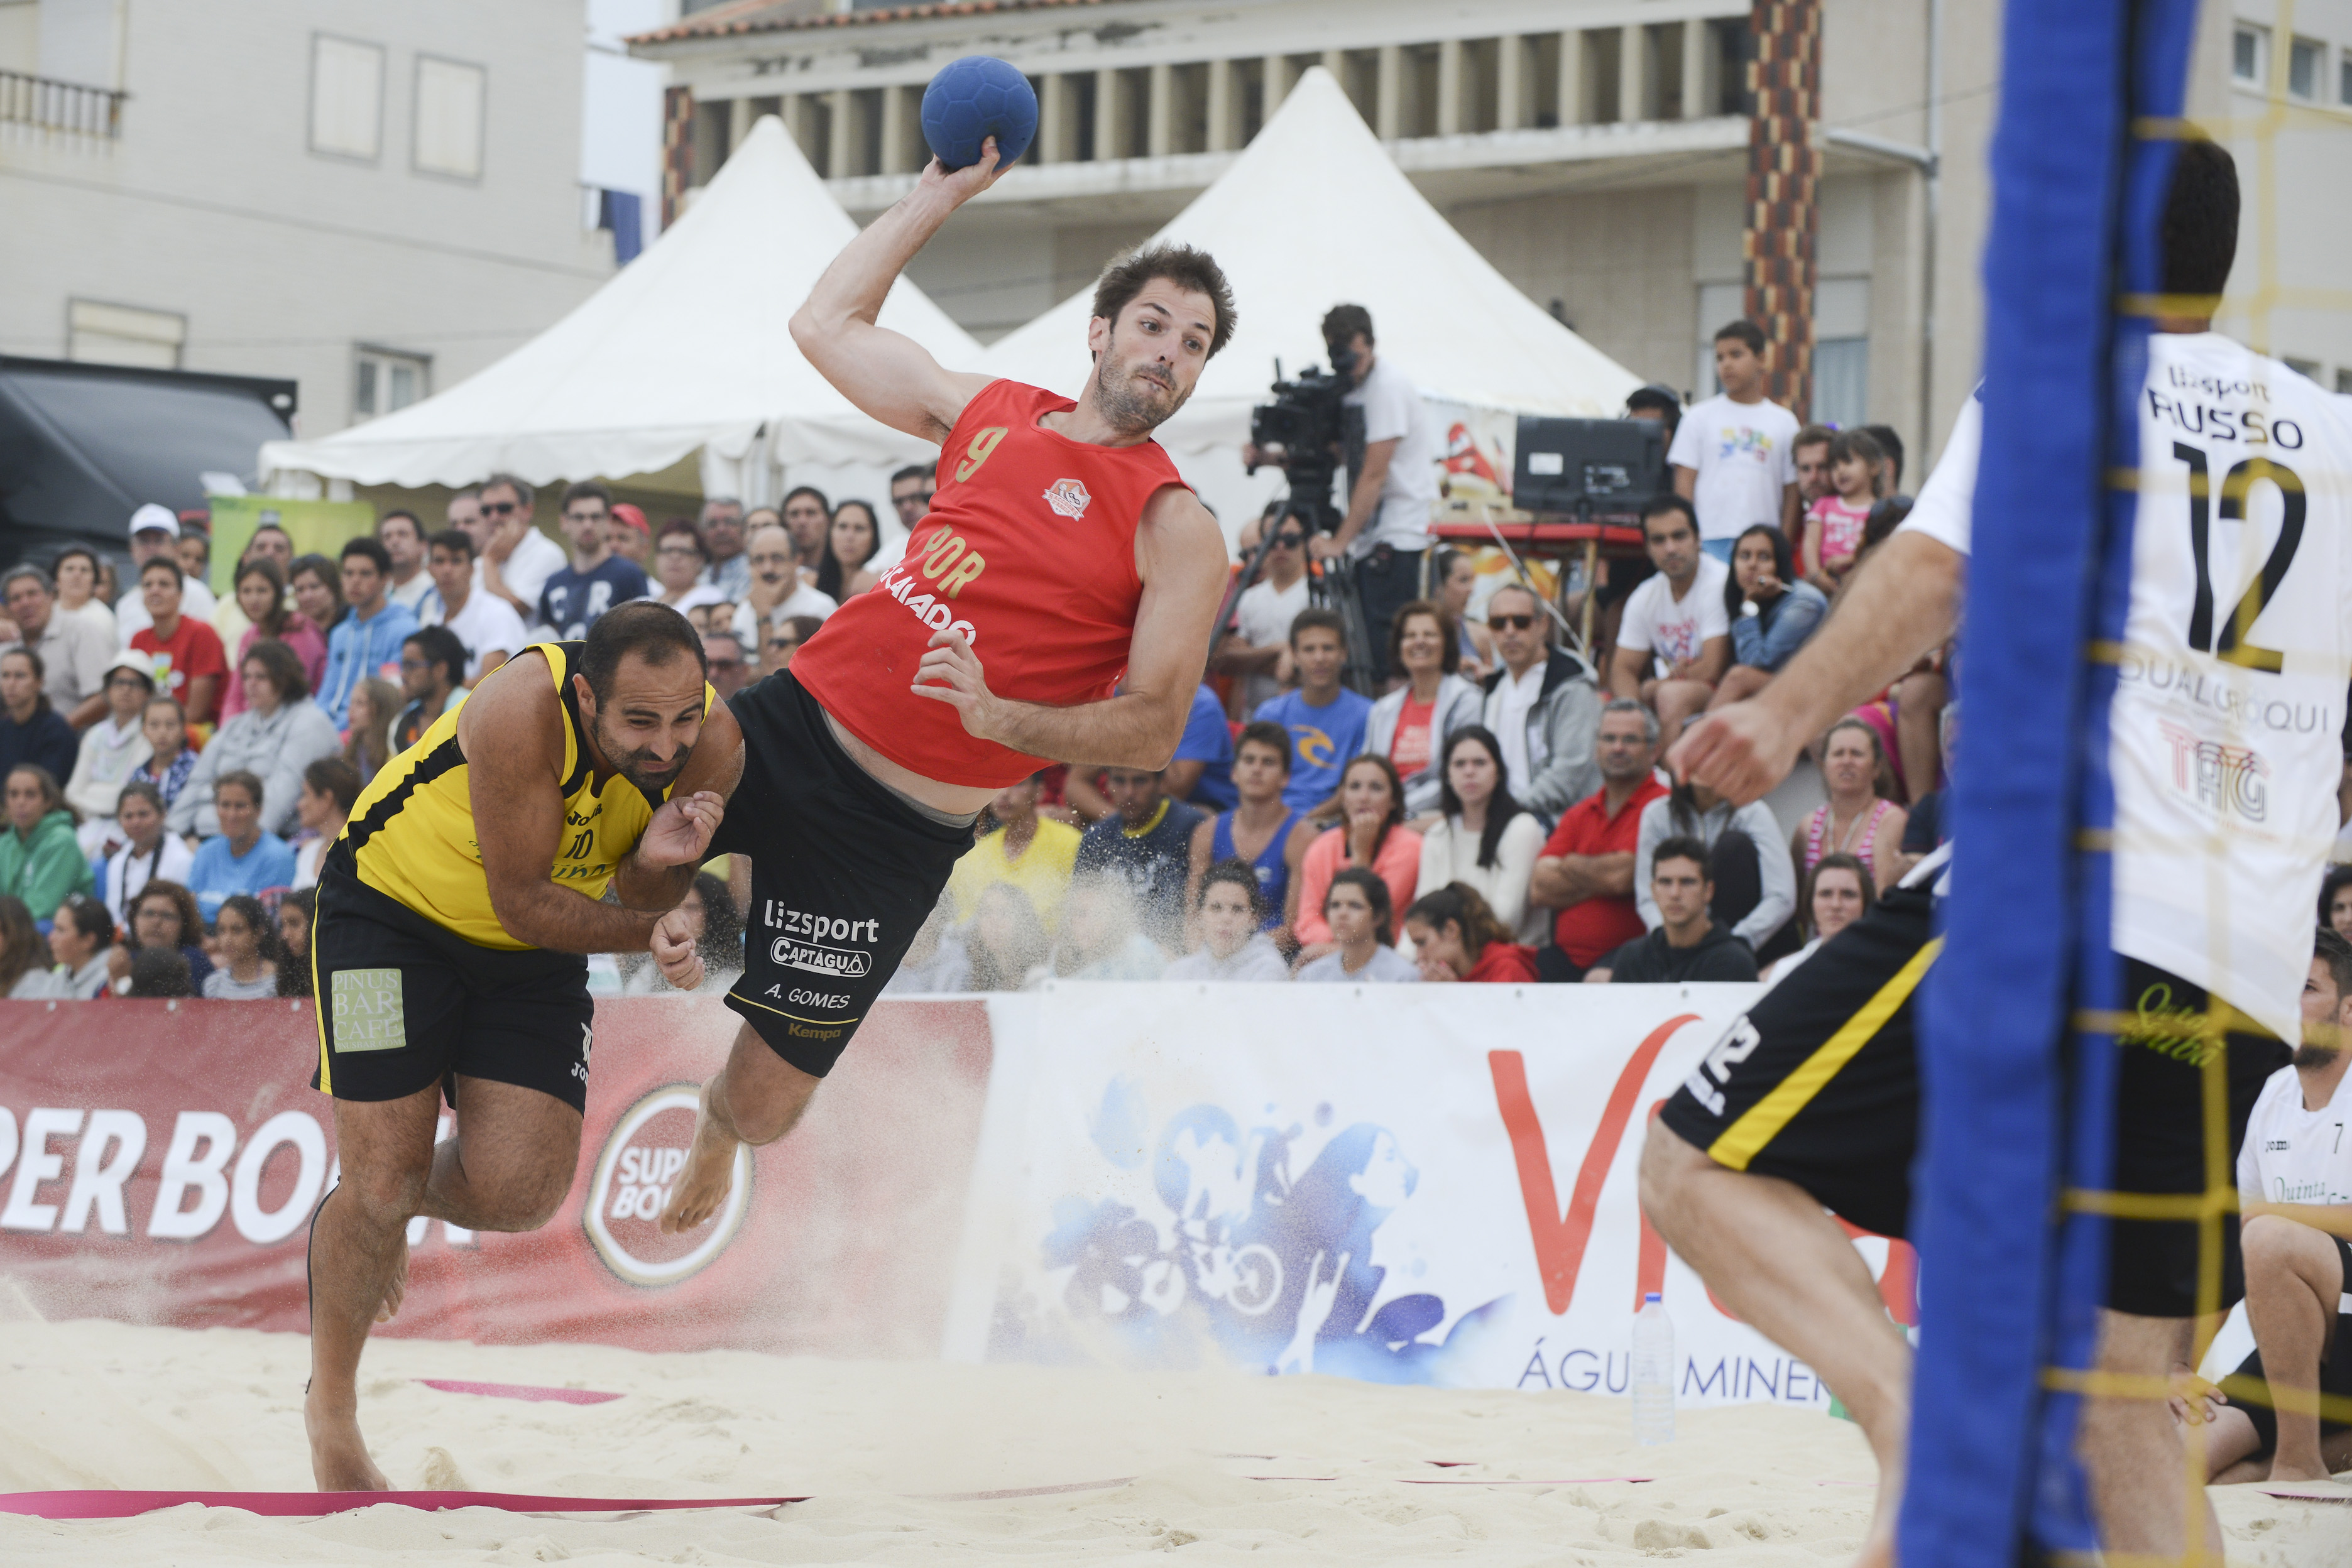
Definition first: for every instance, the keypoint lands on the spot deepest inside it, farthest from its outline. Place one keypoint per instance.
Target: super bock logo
(1067, 497)
(634, 1174)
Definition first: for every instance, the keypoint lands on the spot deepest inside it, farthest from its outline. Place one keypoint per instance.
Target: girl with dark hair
(23, 962)
(280, 731)
(807, 516)
(1457, 579)
(171, 761)
(2335, 899)
(1840, 892)
(374, 704)
(1412, 725)
(1485, 839)
(1372, 834)
(1772, 612)
(150, 851)
(248, 952)
(1229, 912)
(1835, 524)
(317, 585)
(294, 913)
(852, 540)
(1456, 937)
(261, 594)
(78, 939)
(163, 917)
(40, 856)
(1358, 914)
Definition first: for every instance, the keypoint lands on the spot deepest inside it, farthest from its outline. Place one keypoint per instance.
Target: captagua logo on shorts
(808, 942)
(641, 1163)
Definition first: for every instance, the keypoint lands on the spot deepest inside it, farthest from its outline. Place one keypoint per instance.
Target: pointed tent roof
(687, 347)
(1314, 214)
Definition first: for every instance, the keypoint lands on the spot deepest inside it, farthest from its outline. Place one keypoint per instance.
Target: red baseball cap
(625, 513)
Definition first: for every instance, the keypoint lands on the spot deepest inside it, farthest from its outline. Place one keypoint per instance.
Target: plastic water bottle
(1654, 1373)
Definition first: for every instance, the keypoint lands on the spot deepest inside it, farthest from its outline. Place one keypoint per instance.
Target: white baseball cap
(152, 515)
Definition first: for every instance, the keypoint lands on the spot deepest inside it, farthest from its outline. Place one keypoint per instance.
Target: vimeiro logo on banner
(641, 1163)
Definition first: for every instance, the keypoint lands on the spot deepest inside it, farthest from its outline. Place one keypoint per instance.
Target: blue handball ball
(973, 98)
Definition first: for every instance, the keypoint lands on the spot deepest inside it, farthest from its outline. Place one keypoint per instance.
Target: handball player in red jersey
(1053, 607)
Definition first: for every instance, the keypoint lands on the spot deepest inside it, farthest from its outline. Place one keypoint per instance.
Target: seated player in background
(1261, 830)
(452, 920)
(1363, 939)
(1228, 917)
(1675, 641)
(2294, 1206)
(1456, 937)
(1686, 944)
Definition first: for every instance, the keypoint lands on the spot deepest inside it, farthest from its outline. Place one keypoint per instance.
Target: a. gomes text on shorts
(824, 944)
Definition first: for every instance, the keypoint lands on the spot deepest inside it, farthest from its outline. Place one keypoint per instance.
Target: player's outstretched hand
(673, 949)
(950, 673)
(961, 185)
(1741, 752)
(680, 833)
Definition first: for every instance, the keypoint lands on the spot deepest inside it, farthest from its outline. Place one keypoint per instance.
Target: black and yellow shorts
(1819, 1085)
(405, 1004)
(843, 872)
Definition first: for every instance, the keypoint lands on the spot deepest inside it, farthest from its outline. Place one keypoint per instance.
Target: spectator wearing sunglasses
(782, 639)
(730, 670)
(1542, 706)
(1259, 652)
(516, 559)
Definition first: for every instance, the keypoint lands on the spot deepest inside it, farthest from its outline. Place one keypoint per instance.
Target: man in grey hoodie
(1543, 704)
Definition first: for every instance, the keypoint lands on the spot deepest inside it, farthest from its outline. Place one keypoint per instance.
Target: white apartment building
(1594, 150)
(374, 200)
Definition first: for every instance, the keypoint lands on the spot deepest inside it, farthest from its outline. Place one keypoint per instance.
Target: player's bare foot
(395, 1290)
(2298, 1473)
(339, 1456)
(710, 1172)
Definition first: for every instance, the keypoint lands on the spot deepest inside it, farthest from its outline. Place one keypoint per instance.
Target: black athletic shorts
(1819, 1084)
(404, 1003)
(2334, 1375)
(843, 872)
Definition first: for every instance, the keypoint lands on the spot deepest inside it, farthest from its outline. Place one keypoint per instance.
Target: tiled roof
(747, 17)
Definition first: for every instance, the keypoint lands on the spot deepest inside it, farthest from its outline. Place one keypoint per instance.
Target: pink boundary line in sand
(106, 1504)
(519, 1391)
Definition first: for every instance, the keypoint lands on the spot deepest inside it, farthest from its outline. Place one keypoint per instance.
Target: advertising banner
(160, 1162)
(1406, 1184)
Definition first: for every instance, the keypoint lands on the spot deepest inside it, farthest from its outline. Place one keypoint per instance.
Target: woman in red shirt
(1374, 834)
(1455, 936)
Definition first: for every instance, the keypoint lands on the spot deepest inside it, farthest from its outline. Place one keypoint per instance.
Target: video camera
(1307, 420)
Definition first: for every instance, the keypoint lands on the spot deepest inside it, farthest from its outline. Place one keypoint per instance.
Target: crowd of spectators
(1492, 808)
(174, 766)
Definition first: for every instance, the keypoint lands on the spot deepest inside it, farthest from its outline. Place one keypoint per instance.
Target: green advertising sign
(315, 526)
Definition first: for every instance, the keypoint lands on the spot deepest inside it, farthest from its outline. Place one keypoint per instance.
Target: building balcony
(62, 107)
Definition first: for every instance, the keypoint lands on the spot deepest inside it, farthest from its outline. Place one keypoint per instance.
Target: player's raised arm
(1180, 554)
(511, 731)
(890, 376)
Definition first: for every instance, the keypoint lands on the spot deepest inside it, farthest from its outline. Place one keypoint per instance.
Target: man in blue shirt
(1325, 719)
(1203, 771)
(576, 596)
(242, 858)
(369, 636)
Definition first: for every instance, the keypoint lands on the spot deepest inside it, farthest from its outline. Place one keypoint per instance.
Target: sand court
(893, 1456)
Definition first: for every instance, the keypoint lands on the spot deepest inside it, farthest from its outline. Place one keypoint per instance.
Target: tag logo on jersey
(1068, 498)
(2228, 778)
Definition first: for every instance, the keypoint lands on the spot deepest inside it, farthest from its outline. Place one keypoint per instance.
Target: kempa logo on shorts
(1067, 497)
(640, 1165)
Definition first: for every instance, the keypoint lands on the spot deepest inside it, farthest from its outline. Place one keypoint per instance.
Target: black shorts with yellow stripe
(844, 871)
(1819, 1083)
(404, 1003)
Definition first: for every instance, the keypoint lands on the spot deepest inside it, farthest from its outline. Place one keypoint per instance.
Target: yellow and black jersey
(411, 836)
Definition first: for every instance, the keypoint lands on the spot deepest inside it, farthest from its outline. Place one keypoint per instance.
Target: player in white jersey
(2295, 1197)
(2237, 648)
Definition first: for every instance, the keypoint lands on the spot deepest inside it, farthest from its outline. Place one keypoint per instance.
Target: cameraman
(1386, 529)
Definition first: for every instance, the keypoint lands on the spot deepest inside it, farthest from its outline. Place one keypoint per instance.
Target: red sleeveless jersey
(1029, 551)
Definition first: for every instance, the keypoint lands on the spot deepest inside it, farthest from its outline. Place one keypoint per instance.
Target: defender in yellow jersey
(447, 950)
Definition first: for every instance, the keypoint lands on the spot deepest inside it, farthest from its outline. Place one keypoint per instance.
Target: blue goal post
(2017, 1101)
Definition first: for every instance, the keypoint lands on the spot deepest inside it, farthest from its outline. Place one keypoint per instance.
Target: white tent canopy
(1315, 214)
(685, 348)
